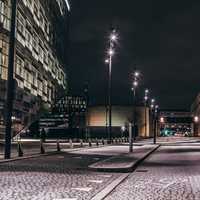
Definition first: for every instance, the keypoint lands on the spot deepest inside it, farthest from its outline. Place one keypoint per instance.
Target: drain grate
(142, 170)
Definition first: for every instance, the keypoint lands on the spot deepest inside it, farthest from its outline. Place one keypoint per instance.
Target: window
(3, 58)
(5, 14)
(28, 40)
(19, 66)
(21, 23)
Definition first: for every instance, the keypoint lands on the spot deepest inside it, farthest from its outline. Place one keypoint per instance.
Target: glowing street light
(136, 74)
(146, 97)
(196, 119)
(162, 120)
(135, 83)
(107, 61)
(112, 40)
(111, 52)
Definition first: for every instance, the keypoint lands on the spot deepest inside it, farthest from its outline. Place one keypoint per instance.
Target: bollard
(58, 145)
(19, 149)
(90, 143)
(42, 150)
(71, 144)
(81, 143)
(103, 143)
(106, 141)
(97, 142)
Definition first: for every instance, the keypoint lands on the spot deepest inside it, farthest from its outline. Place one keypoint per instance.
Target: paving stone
(172, 173)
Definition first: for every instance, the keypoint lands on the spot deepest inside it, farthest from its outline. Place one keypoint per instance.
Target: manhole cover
(142, 170)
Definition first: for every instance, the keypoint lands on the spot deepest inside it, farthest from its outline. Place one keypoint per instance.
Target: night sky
(160, 38)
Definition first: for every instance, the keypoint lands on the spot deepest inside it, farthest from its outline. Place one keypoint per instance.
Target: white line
(84, 189)
(108, 189)
(95, 181)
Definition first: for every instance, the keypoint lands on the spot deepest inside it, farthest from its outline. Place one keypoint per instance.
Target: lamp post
(196, 125)
(112, 41)
(146, 97)
(135, 83)
(154, 109)
(10, 83)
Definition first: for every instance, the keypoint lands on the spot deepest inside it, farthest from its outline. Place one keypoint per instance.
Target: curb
(28, 157)
(48, 154)
(109, 188)
(123, 169)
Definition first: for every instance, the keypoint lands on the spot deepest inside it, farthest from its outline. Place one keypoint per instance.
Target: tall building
(40, 56)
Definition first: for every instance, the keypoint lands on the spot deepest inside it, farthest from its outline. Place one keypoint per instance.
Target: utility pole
(10, 82)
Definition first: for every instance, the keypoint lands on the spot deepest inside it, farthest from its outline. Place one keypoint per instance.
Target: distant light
(157, 106)
(152, 100)
(111, 52)
(113, 37)
(162, 120)
(135, 83)
(136, 74)
(106, 60)
(68, 5)
(123, 128)
(196, 119)
(146, 91)
(146, 98)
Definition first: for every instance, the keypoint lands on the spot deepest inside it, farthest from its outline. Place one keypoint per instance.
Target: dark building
(40, 57)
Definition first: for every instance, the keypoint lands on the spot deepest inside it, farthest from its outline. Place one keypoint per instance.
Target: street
(171, 173)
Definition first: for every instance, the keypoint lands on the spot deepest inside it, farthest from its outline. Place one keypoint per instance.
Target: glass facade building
(40, 57)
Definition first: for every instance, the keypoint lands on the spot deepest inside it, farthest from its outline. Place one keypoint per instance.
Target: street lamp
(146, 97)
(196, 125)
(154, 109)
(112, 41)
(10, 83)
(135, 84)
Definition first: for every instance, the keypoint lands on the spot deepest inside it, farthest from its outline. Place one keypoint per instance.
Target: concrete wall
(121, 116)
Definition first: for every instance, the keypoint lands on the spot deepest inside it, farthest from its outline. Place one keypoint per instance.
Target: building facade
(176, 122)
(40, 57)
(97, 118)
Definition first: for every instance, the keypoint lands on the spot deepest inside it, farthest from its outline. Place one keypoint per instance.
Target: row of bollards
(90, 143)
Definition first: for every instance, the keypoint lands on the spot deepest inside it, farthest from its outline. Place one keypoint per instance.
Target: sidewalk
(125, 162)
(31, 148)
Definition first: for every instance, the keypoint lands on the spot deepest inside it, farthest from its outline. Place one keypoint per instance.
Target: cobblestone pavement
(57, 177)
(171, 173)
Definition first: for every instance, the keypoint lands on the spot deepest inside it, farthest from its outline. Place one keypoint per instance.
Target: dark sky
(160, 37)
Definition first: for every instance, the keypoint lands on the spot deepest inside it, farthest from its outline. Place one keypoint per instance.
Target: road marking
(60, 157)
(84, 189)
(95, 181)
(66, 199)
(105, 176)
(78, 157)
(109, 188)
(96, 158)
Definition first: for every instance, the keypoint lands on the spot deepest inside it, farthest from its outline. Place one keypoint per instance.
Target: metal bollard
(90, 143)
(71, 144)
(97, 142)
(81, 143)
(58, 145)
(42, 150)
(19, 149)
